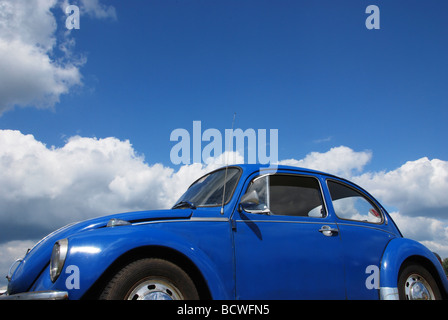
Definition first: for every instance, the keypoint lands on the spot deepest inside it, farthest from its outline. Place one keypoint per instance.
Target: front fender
(91, 253)
(396, 253)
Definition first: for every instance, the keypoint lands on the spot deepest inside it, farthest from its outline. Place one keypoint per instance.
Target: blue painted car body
(236, 254)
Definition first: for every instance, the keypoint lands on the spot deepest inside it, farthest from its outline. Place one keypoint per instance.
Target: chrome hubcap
(155, 289)
(417, 288)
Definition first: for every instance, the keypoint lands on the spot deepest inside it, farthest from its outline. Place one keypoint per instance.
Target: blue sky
(86, 115)
(310, 69)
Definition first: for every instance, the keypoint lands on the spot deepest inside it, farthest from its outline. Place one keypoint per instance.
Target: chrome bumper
(37, 295)
(389, 293)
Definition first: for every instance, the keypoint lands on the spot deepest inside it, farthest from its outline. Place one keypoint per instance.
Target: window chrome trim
(268, 192)
(13, 268)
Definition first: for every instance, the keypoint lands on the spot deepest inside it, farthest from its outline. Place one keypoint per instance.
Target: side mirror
(251, 197)
(250, 202)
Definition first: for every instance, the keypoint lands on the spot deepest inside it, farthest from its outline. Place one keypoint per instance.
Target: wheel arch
(152, 251)
(401, 252)
(429, 266)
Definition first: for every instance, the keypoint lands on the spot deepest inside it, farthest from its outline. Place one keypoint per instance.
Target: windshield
(208, 190)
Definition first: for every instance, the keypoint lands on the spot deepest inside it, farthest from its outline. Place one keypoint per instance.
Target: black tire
(415, 282)
(150, 279)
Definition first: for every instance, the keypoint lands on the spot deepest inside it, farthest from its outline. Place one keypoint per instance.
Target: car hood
(39, 256)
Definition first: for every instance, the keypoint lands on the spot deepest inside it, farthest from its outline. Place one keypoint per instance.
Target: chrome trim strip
(159, 221)
(37, 295)
(203, 219)
(291, 221)
(211, 219)
(365, 226)
(389, 293)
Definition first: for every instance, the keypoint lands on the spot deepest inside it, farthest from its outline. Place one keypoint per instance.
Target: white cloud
(92, 8)
(87, 177)
(32, 73)
(29, 22)
(43, 188)
(98, 10)
(9, 252)
(417, 188)
(341, 161)
(431, 232)
(29, 74)
(29, 77)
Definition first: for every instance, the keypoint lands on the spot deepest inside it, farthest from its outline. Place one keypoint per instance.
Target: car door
(292, 252)
(364, 233)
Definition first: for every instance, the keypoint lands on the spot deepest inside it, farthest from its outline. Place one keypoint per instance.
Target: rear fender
(397, 252)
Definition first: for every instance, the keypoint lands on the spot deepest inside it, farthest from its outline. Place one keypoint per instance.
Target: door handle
(328, 231)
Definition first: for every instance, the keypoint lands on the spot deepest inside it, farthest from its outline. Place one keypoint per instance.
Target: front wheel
(417, 283)
(150, 279)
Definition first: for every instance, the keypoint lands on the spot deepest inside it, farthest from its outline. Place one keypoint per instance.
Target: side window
(352, 205)
(289, 195)
(295, 196)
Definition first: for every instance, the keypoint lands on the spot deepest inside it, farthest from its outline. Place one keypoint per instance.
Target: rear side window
(350, 204)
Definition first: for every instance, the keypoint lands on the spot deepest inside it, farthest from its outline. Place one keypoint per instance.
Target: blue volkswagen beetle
(239, 232)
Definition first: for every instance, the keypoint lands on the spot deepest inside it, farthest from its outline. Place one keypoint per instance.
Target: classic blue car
(239, 232)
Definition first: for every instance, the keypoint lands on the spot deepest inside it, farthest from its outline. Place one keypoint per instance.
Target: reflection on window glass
(259, 185)
(208, 190)
(289, 195)
(351, 205)
(294, 195)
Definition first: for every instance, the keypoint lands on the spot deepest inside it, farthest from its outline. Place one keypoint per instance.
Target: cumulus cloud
(9, 252)
(46, 187)
(93, 8)
(98, 10)
(43, 187)
(417, 188)
(32, 73)
(341, 161)
(422, 228)
(29, 77)
(431, 232)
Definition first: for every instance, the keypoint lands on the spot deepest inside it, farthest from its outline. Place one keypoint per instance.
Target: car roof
(251, 168)
(258, 167)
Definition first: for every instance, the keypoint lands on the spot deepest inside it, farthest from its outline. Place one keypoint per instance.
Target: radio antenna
(226, 164)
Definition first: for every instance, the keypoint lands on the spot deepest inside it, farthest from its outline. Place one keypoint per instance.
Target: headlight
(58, 256)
